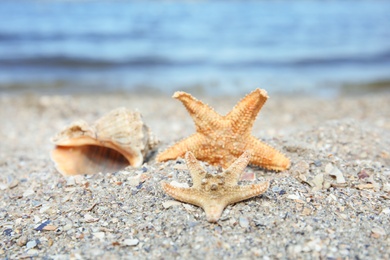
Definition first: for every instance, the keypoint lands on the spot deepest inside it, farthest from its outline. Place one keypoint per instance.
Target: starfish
(213, 192)
(219, 140)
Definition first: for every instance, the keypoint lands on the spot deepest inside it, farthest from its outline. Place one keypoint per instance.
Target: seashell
(115, 141)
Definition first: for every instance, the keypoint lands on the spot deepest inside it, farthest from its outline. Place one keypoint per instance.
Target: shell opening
(88, 159)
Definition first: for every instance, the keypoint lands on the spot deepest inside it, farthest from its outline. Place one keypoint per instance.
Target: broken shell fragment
(115, 141)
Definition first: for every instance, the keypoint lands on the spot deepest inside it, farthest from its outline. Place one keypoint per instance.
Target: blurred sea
(220, 47)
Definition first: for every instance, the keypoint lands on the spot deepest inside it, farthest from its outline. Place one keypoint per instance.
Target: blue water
(220, 46)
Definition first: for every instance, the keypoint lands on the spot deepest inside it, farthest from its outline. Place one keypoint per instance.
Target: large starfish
(213, 192)
(219, 140)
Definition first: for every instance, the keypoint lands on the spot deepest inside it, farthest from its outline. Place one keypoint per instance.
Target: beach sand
(334, 202)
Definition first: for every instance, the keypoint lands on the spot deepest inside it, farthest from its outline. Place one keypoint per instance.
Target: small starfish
(219, 140)
(213, 192)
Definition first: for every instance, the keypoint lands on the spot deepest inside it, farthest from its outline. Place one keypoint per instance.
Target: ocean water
(221, 47)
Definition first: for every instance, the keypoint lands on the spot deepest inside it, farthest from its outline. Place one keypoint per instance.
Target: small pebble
(326, 185)
(169, 203)
(386, 211)
(12, 183)
(36, 203)
(89, 218)
(282, 192)
(33, 252)
(318, 181)
(28, 192)
(42, 225)
(317, 163)
(244, 223)
(188, 207)
(363, 174)
(139, 186)
(131, 242)
(3, 186)
(378, 232)
(44, 209)
(301, 167)
(259, 223)
(192, 224)
(386, 187)
(68, 226)
(70, 181)
(328, 168)
(31, 244)
(22, 241)
(134, 181)
(293, 197)
(334, 171)
(99, 235)
(50, 228)
(8, 232)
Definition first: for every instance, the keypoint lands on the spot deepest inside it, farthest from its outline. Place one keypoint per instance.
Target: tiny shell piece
(115, 141)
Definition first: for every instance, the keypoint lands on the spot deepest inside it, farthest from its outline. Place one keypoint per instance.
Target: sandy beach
(333, 203)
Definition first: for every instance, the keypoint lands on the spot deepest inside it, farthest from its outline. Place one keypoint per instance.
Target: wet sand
(334, 202)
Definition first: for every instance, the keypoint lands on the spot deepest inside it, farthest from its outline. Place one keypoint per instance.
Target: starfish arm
(214, 210)
(179, 149)
(239, 193)
(187, 195)
(243, 115)
(266, 156)
(196, 170)
(233, 173)
(204, 116)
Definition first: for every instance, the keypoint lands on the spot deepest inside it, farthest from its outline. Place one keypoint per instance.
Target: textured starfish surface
(219, 140)
(213, 192)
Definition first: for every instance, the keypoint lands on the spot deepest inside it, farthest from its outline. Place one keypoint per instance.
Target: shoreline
(69, 87)
(126, 214)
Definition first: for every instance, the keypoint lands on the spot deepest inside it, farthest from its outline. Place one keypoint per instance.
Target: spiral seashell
(115, 141)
